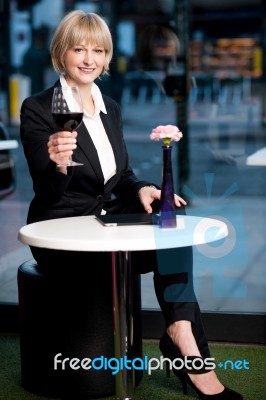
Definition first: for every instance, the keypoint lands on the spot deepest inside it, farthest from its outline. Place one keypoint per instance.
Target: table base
(123, 322)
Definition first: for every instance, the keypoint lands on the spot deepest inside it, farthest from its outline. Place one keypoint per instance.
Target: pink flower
(166, 133)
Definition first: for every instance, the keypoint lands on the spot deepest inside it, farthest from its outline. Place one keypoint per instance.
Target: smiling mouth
(87, 69)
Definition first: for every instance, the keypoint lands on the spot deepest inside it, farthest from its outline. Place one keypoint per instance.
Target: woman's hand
(61, 146)
(148, 194)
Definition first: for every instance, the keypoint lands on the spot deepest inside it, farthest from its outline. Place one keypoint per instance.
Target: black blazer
(82, 191)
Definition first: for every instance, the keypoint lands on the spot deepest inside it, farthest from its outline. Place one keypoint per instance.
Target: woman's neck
(85, 92)
(87, 100)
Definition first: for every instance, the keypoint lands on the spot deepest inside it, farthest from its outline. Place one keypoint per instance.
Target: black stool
(60, 316)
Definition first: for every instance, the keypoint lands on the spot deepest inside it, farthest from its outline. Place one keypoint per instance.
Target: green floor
(250, 382)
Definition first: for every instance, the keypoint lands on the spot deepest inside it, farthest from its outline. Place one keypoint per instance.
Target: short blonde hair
(78, 27)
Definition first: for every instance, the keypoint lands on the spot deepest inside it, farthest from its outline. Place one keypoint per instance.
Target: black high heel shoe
(169, 350)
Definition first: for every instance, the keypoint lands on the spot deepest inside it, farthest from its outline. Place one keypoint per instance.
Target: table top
(86, 233)
(8, 144)
(258, 158)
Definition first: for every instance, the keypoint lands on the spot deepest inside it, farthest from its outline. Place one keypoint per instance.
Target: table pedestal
(123, 322)
(87, 234)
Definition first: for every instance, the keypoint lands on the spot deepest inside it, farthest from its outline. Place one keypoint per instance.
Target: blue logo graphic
(216, 253)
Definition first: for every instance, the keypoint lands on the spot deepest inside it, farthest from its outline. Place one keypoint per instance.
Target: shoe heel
(184, 387)
(183, 381)
(180, 377)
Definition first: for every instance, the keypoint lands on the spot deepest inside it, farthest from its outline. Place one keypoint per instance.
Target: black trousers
(173, 276)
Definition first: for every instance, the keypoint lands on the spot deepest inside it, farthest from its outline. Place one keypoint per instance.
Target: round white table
(8, 144)
(86, 233)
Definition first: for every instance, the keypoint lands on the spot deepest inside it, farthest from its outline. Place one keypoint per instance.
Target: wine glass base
(74, 164)
(70, 164)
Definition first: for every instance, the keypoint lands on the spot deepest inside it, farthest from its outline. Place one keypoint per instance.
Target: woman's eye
(78, 50)
(99, 51)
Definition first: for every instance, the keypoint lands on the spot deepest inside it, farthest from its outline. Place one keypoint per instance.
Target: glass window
(212, 88)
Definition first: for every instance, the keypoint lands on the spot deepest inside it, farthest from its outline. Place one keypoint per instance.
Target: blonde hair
(74, 29)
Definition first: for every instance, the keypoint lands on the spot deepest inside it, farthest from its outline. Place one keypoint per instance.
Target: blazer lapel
(112, 136)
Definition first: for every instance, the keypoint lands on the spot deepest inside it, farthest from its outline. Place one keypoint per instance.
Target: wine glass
(67, 112)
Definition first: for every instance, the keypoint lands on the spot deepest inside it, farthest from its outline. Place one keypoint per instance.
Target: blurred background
(198, 64)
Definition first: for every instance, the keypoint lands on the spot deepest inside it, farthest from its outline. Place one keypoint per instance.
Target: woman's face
(84, 63)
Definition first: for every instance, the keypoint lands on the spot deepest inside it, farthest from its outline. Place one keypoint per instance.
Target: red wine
(68, 121)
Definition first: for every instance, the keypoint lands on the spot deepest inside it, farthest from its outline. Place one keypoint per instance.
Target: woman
(81, 51)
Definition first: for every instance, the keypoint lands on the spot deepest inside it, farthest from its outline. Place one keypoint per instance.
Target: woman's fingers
(62, 142)
(62, 138)
(179, 201)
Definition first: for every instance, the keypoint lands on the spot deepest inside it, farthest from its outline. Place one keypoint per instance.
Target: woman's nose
(88, 57)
